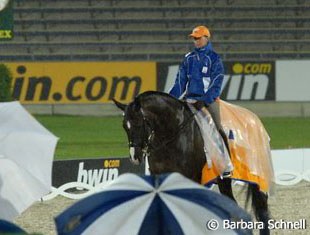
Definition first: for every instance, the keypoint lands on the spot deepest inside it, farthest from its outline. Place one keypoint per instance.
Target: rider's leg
(214, 110)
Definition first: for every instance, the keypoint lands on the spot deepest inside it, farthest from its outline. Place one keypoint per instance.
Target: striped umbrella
(7, 227)
(162, 204)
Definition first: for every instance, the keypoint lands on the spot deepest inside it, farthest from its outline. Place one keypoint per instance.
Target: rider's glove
(199, 104)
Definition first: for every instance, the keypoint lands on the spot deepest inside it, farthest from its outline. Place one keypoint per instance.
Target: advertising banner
(80, 82)
(6, 19)
(92, 171)
(243, 81)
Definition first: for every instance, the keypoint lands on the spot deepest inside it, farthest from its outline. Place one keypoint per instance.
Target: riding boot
(226, 174)
(225, 139)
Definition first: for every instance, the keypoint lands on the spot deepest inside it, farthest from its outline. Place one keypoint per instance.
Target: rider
(201, 76)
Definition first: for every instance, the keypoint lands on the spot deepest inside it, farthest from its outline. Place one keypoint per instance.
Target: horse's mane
(157, 94)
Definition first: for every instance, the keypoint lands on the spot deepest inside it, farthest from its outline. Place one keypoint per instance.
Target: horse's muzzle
(135, 155)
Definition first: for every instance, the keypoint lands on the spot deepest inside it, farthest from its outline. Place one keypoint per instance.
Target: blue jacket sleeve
(180, 82)
(216, 80)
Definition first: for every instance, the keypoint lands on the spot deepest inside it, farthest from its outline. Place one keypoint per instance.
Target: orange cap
(200, 31)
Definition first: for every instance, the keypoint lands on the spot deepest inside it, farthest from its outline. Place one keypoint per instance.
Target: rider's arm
(180, 82)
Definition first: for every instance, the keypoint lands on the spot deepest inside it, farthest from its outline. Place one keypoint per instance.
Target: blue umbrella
(163, 204)
(7, 227)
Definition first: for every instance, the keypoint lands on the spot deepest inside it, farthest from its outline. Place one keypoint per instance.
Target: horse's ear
(137, 105)
(119, 105)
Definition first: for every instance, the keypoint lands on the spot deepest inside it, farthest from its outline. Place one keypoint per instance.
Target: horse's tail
(259, 205)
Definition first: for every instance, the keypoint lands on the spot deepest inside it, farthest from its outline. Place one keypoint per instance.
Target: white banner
(292, 80)
(291, 165)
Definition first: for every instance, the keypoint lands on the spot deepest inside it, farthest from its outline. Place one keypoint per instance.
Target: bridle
(133, 144)
(145, 144)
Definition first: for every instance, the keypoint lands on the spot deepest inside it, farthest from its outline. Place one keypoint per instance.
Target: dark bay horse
(164, 129)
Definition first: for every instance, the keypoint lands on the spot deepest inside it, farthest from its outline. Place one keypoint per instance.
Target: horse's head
(154, 122)
(137, 130)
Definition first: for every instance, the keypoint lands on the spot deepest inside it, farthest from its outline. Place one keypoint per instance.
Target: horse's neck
(166, 120)
(172, 132)
(173, 146)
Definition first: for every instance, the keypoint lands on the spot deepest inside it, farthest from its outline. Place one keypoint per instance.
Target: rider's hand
(199, 104)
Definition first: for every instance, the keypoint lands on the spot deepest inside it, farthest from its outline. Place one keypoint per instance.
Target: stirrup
(226, 174)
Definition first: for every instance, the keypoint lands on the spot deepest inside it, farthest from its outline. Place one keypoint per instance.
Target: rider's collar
(206, 48)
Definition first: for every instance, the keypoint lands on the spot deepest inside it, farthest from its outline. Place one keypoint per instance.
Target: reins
(180, 128)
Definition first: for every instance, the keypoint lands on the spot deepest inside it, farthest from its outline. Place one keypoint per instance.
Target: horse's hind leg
(260, 207)
(225, 187)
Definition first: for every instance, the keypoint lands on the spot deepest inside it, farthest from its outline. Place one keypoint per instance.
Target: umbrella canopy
(164, 204)
(26, 157)
(7, 227)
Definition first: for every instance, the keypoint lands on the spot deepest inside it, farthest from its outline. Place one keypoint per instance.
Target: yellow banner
(80, 82)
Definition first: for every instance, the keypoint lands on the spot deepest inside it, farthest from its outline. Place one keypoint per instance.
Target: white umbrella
(3, 4)
(26, 156)
(153, 205)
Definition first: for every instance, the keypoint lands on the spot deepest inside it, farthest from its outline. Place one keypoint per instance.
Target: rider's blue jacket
(200, 75)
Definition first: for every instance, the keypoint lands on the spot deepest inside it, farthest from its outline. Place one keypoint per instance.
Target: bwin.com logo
(3, 4)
